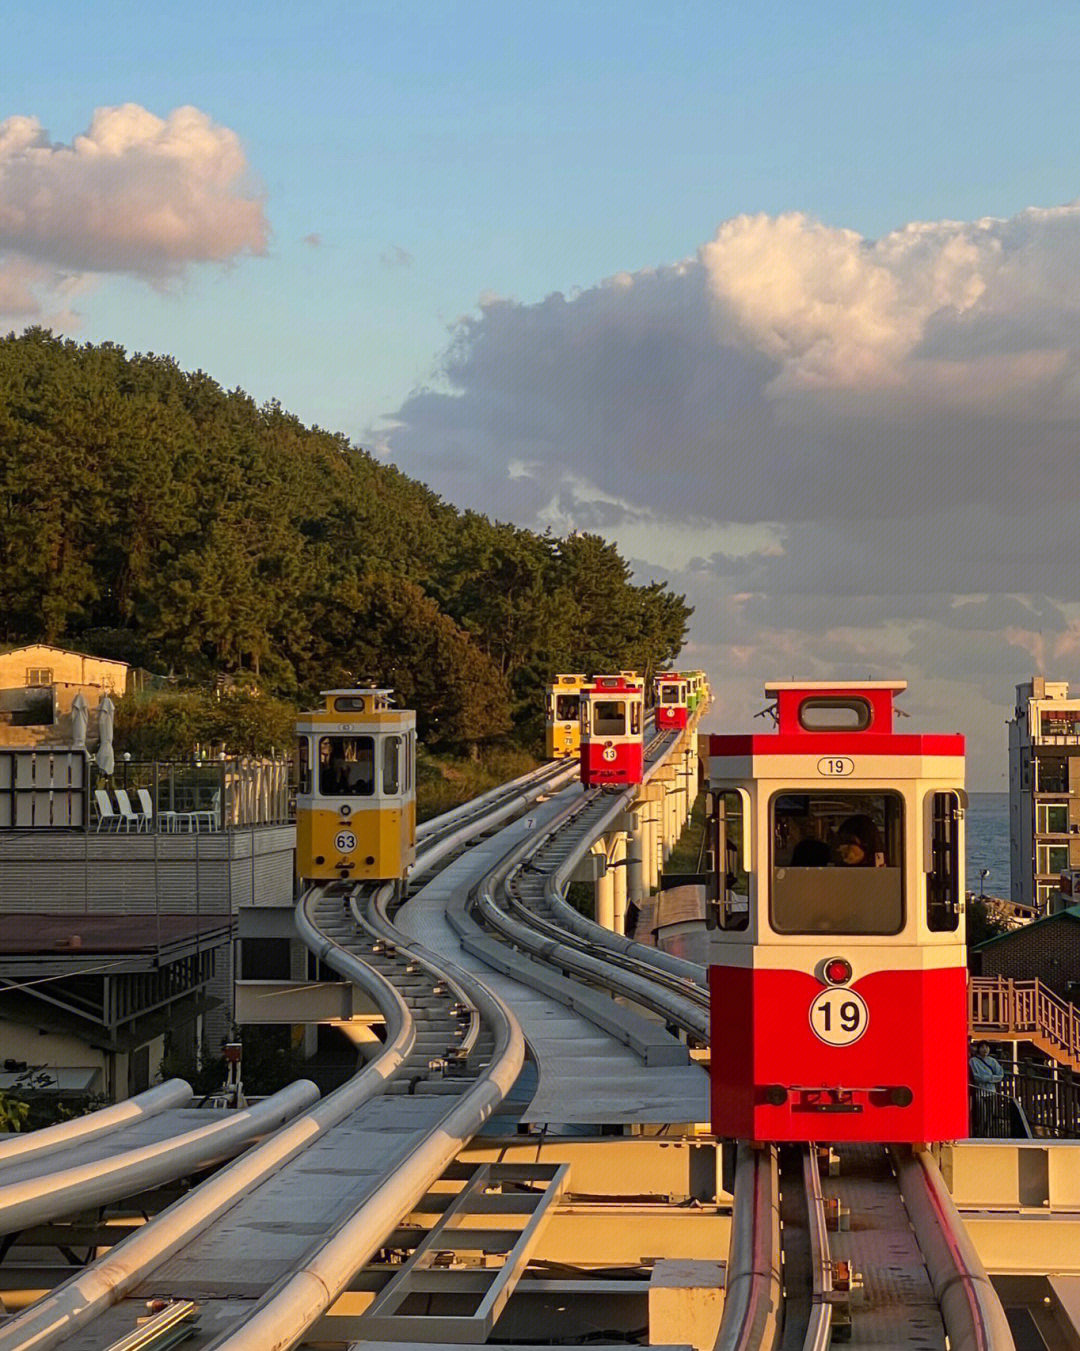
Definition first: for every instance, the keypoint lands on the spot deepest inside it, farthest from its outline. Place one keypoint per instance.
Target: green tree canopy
(150, 515)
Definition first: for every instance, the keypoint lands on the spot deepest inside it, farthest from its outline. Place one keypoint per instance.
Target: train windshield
(837, 863)
(346, 766)
(671, 694)
(567, 707)
(609, 717)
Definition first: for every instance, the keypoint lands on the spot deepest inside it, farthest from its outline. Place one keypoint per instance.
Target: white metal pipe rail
(970, 1306)
(680, 1003)
(290, 1308)
(67, 1191)
(551, 772)
(164, 1097)
(102, 1283)
(753, 1308)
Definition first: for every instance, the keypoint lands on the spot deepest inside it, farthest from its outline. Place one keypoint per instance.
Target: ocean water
(988, 842)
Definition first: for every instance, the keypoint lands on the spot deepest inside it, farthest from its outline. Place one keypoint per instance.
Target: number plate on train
(839, 1017)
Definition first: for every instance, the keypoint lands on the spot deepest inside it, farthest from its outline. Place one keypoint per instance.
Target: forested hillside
(147, 514)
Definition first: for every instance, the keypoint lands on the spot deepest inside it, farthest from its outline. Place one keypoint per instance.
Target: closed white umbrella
(80, 718)
(106, 761)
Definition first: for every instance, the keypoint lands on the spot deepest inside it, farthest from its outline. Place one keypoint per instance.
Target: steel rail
(753, 1308)
(504, 803)
(679, 1001)
(973, 1314)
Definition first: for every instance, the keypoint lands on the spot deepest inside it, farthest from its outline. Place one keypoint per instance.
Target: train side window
(635, 718)
(943, 871)
(391, 765)
(609, 717)
(303, 761)
(410, 761)
(837, 862)
(731, 909)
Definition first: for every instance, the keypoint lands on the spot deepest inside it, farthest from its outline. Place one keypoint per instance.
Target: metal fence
(207, 795)
(1031, 1102)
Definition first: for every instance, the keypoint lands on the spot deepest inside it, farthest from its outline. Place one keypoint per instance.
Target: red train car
(837, 959)
(671, 693)
(612, 743)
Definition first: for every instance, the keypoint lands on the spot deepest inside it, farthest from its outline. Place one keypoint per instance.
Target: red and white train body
(837, 962)
(612, 739)
(671, 694)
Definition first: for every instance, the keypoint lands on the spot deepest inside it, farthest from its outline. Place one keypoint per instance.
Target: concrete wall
(131, 873)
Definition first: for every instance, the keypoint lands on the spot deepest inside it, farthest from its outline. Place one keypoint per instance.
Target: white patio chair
(146, 802)
(132, 819)
(208, 815)
(107, 819)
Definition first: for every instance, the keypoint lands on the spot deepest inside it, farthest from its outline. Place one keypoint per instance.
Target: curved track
(250, 1245)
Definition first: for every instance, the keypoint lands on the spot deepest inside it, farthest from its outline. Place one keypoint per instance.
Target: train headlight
(837, 971)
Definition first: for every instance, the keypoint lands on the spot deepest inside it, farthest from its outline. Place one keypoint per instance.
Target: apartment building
(1044, 791)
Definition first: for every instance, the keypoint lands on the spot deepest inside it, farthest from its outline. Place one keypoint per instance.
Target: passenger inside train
(857, 837)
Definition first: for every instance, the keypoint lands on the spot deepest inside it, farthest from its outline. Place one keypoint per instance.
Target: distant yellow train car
(356, 794)
(563, 710)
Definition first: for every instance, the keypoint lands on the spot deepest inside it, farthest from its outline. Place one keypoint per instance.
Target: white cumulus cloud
(135, 194)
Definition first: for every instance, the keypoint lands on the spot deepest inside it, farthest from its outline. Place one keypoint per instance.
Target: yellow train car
(563, 711)
(356, 791)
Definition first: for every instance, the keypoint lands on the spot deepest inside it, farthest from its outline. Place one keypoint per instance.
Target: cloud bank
(853, 454)
(135, 195)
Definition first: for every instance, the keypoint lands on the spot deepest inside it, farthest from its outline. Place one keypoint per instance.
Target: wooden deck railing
(1024, 1010)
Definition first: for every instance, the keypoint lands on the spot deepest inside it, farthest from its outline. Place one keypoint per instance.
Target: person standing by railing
(985, 1076)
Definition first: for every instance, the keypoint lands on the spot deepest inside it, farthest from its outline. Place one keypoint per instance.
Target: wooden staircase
(1000, 1009)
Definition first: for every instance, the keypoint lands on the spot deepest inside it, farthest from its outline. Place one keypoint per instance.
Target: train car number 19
(839, 1017)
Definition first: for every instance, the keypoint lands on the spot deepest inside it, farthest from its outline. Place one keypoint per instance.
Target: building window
(1043, 892)
(1051, 818)
(1051, 774)
(1051, 859)
(1060, 723)
(39, 675)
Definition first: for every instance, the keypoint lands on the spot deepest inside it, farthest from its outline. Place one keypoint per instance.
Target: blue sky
(723, 196)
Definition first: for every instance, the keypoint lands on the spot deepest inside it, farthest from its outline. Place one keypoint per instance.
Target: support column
(635, 853)
(605, 896)
(618, 877)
